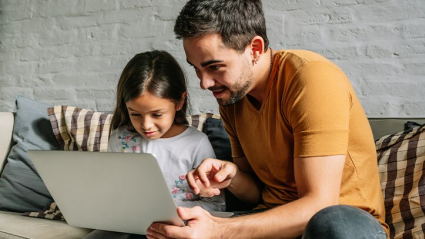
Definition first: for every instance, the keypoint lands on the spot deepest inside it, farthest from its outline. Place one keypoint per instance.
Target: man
(302, 147)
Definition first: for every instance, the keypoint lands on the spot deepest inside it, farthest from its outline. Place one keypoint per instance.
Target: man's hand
(211, 176)
(200, 224)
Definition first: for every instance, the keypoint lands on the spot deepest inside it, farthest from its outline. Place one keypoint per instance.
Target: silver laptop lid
(121, 192)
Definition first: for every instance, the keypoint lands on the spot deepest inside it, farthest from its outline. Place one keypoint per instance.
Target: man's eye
(215, 67)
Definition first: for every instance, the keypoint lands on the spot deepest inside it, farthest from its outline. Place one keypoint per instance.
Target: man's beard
(239, 89)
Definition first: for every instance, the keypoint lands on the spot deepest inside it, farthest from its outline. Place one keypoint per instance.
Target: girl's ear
(179, 106)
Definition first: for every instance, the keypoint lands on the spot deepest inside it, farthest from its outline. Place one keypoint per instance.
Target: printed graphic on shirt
(128, 141)
(180, 192)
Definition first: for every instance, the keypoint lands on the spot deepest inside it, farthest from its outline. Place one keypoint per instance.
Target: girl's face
(153, 117)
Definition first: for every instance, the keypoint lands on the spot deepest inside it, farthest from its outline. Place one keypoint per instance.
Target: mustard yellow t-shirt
(309, 109)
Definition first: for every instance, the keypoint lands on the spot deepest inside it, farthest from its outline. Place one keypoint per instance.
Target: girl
(150, 117)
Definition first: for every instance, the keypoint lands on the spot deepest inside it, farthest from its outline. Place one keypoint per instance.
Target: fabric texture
(198, 120)
(176, 156)
(310, 109)
(218, 137)
(14, 225)
(51, 212)
(78, 129)
(21, 188)
(342, 221)
(401, 165)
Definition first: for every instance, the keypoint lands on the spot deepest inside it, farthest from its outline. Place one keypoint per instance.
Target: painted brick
(46, 93)
(137, 3)
(73, 52)
(10, 93)
(105, 105)
(48, 9)
(7, 106)
(346, 53)
(95, 93)
(100, 5)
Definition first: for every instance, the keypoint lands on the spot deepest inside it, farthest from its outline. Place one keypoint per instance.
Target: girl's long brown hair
(156, 72)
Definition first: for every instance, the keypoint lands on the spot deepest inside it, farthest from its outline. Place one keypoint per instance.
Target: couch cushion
(401, 159)
(13, 225)
(385, 126)
(218, 137)
(20, 185)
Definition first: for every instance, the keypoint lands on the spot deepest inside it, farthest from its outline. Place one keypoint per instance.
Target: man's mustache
(217, 88)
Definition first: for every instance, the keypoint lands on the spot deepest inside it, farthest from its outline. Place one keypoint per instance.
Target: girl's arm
(113, 143)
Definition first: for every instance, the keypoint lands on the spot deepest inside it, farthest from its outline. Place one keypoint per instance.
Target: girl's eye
(157, 115)
(135, 114)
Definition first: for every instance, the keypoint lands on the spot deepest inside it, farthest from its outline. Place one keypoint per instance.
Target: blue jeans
(342, 221)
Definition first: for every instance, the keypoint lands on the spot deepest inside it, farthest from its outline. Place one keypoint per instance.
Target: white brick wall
(72, 52)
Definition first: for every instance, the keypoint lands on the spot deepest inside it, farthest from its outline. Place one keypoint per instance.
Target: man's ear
(256, 46)
(179, 106)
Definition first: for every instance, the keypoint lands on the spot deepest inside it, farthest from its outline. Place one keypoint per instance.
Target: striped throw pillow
(198, 121)
(50, 212)
(78, 129)
(401, 165)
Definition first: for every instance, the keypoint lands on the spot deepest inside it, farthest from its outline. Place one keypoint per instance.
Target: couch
(54, 124)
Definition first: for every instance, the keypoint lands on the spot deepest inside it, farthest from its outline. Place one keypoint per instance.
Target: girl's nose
(147, 123)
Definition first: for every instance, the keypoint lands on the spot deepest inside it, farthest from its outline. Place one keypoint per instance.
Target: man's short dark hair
(237, 21)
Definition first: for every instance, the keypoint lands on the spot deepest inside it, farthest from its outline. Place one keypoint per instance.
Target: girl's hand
(211, 176)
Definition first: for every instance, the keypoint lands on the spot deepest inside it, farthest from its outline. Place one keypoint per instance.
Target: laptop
(122, 192)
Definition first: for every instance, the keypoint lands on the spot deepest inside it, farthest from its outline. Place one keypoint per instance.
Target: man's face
(224, 71)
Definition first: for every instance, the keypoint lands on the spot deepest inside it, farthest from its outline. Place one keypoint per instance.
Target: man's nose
(206, 81)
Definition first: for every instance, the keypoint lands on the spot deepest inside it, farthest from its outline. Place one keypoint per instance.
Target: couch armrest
(6, 128)
(385, 126)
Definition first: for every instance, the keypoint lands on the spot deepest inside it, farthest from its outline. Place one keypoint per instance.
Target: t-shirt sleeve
(319, 102)
(113, 142)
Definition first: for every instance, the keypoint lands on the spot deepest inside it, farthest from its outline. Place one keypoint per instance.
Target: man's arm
(318, 181)
(245, 185)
